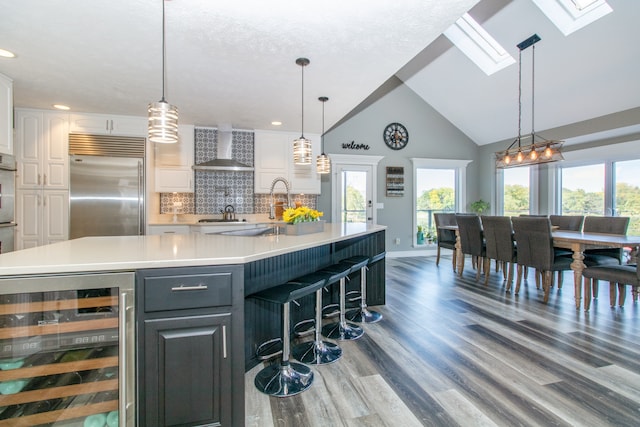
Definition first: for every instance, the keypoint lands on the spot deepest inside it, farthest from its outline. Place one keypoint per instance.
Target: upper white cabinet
(173, 173)
(6, 112)
(273, 152)
(108, 124)
(42, 150)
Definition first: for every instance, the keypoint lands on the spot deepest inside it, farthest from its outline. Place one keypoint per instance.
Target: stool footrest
(352, 296)
(269, 349)
(331, 310)
(304, 328)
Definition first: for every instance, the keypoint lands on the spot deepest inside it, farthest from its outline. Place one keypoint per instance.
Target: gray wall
(430, 136)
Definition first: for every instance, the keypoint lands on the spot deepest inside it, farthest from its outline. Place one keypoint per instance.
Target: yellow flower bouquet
(300, 214)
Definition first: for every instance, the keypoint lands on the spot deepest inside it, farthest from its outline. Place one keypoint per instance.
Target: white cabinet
(273, 152)
(42, 217)
(108, 124)
(42, 179)
(168, 229)
(173, 172)
(6, 115)
(42, 150)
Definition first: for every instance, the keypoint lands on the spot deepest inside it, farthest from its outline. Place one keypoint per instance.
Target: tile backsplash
(216, 189)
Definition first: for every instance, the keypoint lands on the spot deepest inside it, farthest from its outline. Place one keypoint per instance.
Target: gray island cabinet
(152, 330)
(189, 329)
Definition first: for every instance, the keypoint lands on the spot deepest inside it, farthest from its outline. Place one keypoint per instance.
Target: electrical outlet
(397, 241)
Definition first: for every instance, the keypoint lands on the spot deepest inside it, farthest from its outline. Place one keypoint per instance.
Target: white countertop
(135, 252)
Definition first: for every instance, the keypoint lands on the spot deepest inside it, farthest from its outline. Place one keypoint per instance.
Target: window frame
(460, 169)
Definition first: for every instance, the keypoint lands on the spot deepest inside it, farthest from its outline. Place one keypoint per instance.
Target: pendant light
(541, 151)
(163, 117)
(302, 146)
(323, 163)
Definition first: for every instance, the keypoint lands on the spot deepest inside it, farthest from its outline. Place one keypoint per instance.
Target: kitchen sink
(258, 231)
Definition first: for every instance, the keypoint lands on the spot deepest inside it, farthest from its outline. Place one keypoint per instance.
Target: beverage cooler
(66, 350)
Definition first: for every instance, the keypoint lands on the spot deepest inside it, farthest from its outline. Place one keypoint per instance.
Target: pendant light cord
(302, 125)
(164, 51)
(519, 96)
(322, 136)
(533, 91)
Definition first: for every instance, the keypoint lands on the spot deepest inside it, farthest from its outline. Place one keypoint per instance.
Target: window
(516, 191)
(583, 190)
(439, 187)
(435, 192)
(627, 193)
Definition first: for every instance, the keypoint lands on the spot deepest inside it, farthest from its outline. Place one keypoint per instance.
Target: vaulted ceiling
(233, 61)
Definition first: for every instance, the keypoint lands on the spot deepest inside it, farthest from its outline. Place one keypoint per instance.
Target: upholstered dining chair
(617, 275)
(535, 249)
(445, 238)
(565, 223)
(500, 246)
(605, 256)
(471, 240)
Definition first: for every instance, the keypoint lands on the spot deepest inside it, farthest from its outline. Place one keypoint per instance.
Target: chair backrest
(470, 232)
(534, 242)
(445, 236)
(498, 236)
(567, 222)
(606, 224)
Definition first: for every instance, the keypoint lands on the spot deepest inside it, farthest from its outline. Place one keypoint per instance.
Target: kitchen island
(232, 267)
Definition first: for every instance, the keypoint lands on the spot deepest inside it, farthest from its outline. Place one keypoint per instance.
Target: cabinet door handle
(224, 341)
(44, 179)
(122, 369)
(106, 125)
(38, 179)
(182, 288)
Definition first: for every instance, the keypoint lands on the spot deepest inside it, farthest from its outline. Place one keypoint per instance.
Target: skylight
(571, 15)
(478, 45)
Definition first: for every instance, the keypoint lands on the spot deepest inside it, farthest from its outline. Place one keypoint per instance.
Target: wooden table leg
(459, 254)
(577, 266)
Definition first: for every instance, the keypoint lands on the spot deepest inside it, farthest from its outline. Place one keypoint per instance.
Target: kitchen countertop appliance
(7, 202)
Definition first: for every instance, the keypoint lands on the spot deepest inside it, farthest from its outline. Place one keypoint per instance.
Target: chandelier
(538, 150)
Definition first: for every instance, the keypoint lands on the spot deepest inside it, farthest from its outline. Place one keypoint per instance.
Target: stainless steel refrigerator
(106, 196)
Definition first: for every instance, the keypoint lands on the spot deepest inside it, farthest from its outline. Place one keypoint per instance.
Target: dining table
(577, 242)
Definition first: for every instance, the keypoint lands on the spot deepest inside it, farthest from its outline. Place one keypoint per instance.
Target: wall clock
(396, 136)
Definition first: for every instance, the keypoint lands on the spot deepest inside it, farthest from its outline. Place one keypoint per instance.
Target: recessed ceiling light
(61, 107)
(7, 54)
(276, 123)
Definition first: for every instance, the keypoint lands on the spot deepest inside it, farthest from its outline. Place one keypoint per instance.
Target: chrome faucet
(272, 209)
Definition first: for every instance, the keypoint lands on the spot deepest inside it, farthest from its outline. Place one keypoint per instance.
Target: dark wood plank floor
(451, 351)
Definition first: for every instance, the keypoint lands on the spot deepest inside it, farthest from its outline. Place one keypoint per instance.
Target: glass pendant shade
(302, 151)
(323, 164)
(163, 123)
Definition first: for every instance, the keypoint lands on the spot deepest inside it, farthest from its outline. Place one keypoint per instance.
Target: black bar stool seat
(362, 313)
(316, 352)
(341, 330)
(286, 378)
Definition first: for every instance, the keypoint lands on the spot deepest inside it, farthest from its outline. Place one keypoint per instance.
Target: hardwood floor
(451, 351)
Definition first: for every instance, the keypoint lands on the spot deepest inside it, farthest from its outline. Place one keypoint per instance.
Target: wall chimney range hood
(223, 162)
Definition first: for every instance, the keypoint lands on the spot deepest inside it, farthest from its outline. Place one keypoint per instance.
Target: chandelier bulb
(519, 156)
(533, 155)
(548, 152)
(506, 159)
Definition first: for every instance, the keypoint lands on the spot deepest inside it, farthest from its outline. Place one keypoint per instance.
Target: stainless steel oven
(7, 202)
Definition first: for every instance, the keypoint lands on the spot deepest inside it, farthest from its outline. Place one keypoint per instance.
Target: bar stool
(362, 313)
(341, 330)
(316, 352)
(286, 378)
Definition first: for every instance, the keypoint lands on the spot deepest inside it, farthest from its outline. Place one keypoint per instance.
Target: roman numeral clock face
(396, 136)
